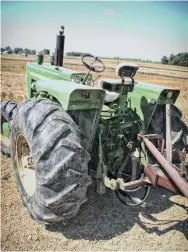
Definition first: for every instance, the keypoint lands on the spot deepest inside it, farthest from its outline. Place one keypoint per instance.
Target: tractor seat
(110, 85)
(111, 96)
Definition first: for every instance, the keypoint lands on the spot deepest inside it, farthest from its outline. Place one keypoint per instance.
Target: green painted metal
(146, 96)
(101, 167)
(40, 58)
(65, 86)
(111, 129)
(46, 71)
(72, 95)
(52, 59)
(6, 129)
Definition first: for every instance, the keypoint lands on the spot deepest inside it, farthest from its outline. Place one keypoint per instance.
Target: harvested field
(144, 67)
(103, 224)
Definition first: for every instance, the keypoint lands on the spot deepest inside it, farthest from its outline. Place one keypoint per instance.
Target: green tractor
(124, 134)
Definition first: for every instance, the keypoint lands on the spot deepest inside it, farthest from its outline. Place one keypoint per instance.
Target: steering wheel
(92, 67)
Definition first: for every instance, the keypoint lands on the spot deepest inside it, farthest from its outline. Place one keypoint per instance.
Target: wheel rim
(25, 165)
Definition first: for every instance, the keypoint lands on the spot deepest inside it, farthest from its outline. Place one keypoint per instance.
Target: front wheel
(49, 162)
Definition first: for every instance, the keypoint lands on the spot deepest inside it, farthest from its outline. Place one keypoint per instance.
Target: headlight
(169, 94)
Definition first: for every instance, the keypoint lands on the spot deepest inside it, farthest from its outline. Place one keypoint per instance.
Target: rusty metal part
(133, 184)
(158, 178)
(161, 144)
(168, 134)
(177, 155)
(159, 138)
(184, 170)
(174, 175)
(151, 137)
(115, 184)
(151, 174)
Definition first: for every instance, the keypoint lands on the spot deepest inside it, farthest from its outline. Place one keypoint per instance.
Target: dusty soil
(103, 223)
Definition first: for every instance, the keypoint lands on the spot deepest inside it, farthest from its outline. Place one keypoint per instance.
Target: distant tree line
(133, 59)
(180, 59)
(76, 54)
(19, 50)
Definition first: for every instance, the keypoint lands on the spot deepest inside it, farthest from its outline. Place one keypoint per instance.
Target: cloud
(110, 11)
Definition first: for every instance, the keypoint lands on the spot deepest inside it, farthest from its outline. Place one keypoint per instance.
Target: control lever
(86, 77)
(97, 78)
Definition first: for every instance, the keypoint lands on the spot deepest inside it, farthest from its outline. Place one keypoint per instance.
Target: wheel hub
(25, 165)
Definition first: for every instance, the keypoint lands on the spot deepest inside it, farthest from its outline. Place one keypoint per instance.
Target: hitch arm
(174, 175)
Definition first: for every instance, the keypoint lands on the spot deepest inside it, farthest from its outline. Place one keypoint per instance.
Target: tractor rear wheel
(49, 163)
(179, 131)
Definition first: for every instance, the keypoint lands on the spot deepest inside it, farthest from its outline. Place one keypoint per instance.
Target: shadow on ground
(104, 217)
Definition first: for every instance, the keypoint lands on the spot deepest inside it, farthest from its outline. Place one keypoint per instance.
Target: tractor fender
(145, 98)
(71, 95)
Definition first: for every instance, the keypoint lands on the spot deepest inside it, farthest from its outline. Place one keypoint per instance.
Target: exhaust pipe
(59, 50)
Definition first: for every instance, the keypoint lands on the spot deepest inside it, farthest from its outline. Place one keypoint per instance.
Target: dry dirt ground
(103, 223)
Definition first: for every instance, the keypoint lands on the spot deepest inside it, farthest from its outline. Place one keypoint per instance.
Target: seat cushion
(113, 82)
(111, 96)
(108, 80)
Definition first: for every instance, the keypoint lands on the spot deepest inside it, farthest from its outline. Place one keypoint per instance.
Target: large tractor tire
(6, 108)
(179, 130)
(49, 163)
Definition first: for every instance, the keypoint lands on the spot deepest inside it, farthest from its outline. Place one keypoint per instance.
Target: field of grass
(103, 223)
(144, 67)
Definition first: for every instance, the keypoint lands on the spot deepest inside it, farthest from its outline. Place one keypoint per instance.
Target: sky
(131, 29)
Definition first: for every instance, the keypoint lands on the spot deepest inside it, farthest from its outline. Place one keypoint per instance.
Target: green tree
(33, 52)
(8, 48)
(180, 59)
(26, 51)
(164, 60)
(46, 51)
(171, 57)
(21, 50)
(17, 50)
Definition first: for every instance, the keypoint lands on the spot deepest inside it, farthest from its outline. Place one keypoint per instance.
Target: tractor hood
(146, 97)
(53, 72)
(46, 71)
(71, 95)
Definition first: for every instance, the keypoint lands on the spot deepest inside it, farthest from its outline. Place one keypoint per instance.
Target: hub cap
(25, 165)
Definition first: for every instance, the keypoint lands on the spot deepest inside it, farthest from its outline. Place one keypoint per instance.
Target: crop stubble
(103, 222)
